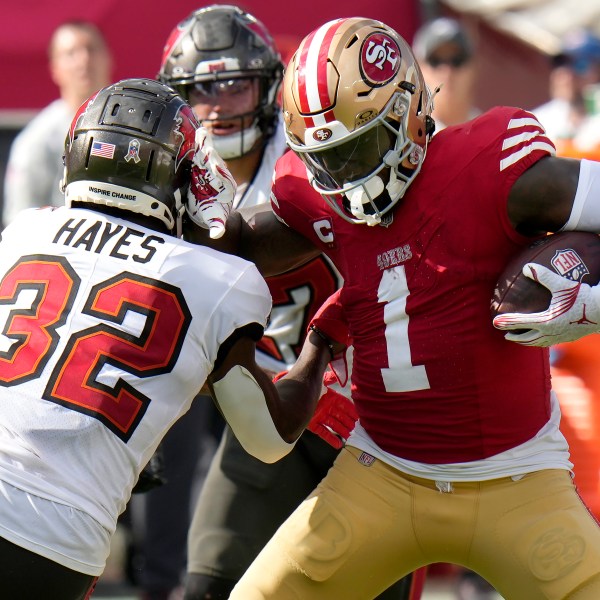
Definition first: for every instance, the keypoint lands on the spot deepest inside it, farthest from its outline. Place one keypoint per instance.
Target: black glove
(152, 475)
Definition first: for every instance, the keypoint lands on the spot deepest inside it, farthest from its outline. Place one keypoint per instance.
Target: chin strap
(237, 144)
(362, 196)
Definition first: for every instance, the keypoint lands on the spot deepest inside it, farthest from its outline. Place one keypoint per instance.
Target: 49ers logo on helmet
(379, 58)
(322, 134)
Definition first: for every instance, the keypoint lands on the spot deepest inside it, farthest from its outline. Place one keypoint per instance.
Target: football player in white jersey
(111, 324)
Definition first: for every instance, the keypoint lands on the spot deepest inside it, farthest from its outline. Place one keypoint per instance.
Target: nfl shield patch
(366, 459)
(568, 263)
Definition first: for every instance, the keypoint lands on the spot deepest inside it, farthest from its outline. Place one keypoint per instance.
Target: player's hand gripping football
(574, 311)
(212, 187)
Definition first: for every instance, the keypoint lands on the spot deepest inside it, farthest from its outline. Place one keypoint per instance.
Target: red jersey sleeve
(298, 205)
(493, 151)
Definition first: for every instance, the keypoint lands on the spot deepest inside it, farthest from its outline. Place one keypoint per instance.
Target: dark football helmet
(130, 146)
(222, 43)
(357, 111)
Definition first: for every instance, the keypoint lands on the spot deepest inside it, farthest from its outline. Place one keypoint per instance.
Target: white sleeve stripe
(581, 194)
(515, 157)
(515, 140)
(524, 122)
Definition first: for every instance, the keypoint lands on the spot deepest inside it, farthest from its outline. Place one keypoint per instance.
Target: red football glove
(330, 320)
(334, 418)
(335, 415)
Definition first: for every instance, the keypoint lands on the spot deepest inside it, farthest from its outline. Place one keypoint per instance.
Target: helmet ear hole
(429, 125)
(149, 167)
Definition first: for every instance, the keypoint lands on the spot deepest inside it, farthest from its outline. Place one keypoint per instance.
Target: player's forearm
(228, 243)
(300, 389)
(267, 419)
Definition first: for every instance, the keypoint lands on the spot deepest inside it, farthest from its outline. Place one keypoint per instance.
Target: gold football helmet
(357, 112)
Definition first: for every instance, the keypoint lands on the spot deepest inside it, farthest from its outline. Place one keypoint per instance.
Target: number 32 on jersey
(73, 382)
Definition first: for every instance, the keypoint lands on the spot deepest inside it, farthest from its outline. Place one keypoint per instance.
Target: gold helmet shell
(357, 111)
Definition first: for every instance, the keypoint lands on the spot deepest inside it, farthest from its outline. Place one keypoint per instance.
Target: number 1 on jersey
(401, 375)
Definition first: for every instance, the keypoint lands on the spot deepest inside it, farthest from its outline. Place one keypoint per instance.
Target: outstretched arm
(272, 246)
(255, 235)
(258, 237)
(268, 418)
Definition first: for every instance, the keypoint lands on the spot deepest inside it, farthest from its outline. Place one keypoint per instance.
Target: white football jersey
(258, 190)
(108, 330)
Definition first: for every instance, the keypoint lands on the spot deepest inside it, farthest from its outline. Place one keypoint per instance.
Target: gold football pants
(364, 527)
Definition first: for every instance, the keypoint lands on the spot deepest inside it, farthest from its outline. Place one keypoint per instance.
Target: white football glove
(574, 311)
(212, 187)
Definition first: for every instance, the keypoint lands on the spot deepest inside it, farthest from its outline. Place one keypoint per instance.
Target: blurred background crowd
(542, 55)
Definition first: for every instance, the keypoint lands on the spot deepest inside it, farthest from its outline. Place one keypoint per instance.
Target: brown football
(572, 254)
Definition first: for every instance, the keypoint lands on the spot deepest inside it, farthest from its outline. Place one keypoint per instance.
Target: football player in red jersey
(457, 456)
(225, 63)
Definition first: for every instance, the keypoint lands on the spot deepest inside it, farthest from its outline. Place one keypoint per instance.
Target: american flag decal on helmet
(526, 135)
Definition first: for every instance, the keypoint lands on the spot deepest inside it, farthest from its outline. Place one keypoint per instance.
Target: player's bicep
(272, 246)
(541, 199)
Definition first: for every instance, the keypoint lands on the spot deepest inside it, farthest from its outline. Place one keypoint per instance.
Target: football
(572, 254)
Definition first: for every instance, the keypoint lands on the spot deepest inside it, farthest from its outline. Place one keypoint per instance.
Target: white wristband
(585, 213)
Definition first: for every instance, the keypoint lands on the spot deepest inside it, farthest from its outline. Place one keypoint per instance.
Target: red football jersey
(297, 295)
(433, 381)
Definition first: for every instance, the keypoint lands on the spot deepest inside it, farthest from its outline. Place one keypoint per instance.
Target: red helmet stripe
(302, 73)
(80, 112)
(176, 34)
(313, 91)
